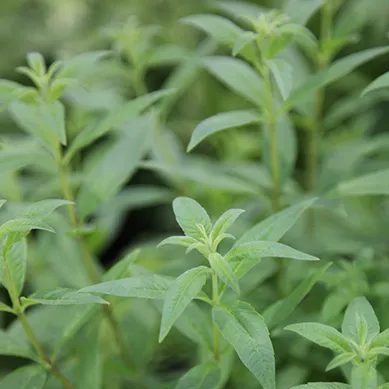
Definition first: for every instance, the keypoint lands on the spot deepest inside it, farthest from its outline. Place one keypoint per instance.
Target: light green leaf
(53, 116)
(10, 345)
(337, 70)
(283, 75)
(11, 160)
(62, 296)
(277, 225)
(38, 210)
(323, 385)
(204, 376)
(189, 215)
(36, 62)
(301, 11)
(380, 82)
(376, 183)
(5, 308)
(239, 9)
(360, 308)
(224, 222)
(340, 360)
(364, 377)
(116, 166)
(246, 331)
(264, 248)
(220, 122)
(23, 225)
(238, 76)
(150, 286)
(120, 269)
(116, 118)
(219, 28)
(384, 386)
(183, 290)
(322, 335)
(243, 41)
(279, 311)
(28, 377)
(224, 271)
(381, 340)
(185, 241)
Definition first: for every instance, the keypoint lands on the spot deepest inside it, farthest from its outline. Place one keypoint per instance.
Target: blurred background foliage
(223, 172)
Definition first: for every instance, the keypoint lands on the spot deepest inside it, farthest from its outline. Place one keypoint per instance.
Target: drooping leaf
(238, 76)
(23, 226)
(116, 118)
(323, 335)
(264, 248)
(204, 376)
(151, 286)
(380, 82)
(182, 291)
(115, 167)
(277, 225)
(28, 377)
(63, 296)
(279, 311)
(189, 215)
(246, 331)
(224, 222)
(11, 345)
(360, 308)
(376, 183)
(220, 122)
(224, 271)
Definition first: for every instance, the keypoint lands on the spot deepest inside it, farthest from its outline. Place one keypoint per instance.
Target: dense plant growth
(287, 153)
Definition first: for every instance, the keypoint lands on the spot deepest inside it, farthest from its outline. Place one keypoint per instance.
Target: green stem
(215, 330)
(312, 139)
(87, 257)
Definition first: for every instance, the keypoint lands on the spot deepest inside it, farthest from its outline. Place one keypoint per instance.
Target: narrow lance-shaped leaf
(40, 209)
(380, 82)
(183, 290)
(221, 122)
(364, 377)
(204, 376)
(150, 286)
(185, 241)
(28, 377)
(224, 222)
(224, 271)
(381, 340)
(62, 296)
(302, 10)
(238, 76)
(246, 331)
(277, 225)
(189, 215)
(323, 335)
(23, 225)
(121, 268)
(323, 385)
(10, 345)
(341, 360)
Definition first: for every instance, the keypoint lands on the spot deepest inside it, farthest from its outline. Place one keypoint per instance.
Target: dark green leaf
(28, 377)
(380, 82)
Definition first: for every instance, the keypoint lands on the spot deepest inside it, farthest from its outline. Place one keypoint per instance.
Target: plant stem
(313, 134)
(88, 261)
(215, 330)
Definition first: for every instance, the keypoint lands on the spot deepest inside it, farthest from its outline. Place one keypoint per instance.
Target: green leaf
(40, 209)
(13, 346)
(224, 271)
(150, 286)
(204, 376)
(261, 249)
(5, 308)
(36, 62)
(337, 70)
(360, 308)
(277, 225)
(381, 340)
(323, 385)
(279, 311)
(220, 122)
(322, 335)
(340, 360)
(219, 28)
(185, 241)
(380, 82)
(182, 291)
(62, 296)
(189, 215)
(17, 265)
(301, 11)
(364, 377)
(246, 331)
(376, 183)
(116, 118)
(282, 72)
(28, 377)
(115, 167)
(239, 9)
(238, 76)
(224, 222)
(120, 269)
(11, 160)
(23, 225)
(244, 39)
